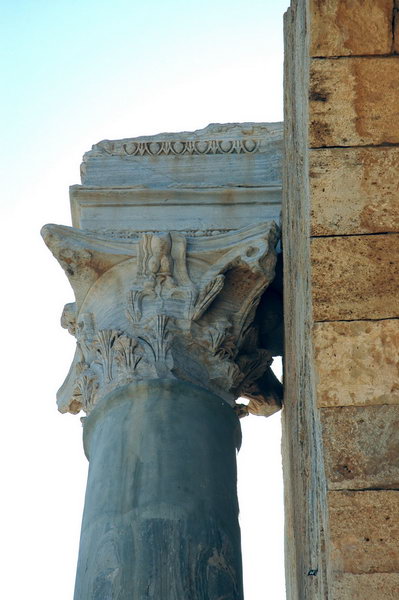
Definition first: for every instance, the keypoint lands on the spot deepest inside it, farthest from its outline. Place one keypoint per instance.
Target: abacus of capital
(173, 245)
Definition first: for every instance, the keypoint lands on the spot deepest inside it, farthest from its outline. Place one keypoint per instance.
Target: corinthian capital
(163, 305)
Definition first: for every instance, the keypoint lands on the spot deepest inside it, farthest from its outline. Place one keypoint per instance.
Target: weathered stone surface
(164, 305)
(161, 509)
(353, 101)
(146, 207)
(341, 28)
(223, 177)
(220, 155)
(357, 362)
(396, 27)
(305, 509)
(355, 277)
(167, 282)
(361, 447)
(354, 190)
(372, 586)
(364, 531)
(123, 212)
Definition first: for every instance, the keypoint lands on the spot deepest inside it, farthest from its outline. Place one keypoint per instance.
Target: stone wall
(341, 246)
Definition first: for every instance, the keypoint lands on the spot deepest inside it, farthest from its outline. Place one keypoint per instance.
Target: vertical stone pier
(172, 246)
(341, 244)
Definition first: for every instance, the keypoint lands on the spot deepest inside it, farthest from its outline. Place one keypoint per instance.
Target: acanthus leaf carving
(156, 341)
(206, 296)
(175, 306)
(128, 354)
(104, 346)
(87, 384)
(222, 343)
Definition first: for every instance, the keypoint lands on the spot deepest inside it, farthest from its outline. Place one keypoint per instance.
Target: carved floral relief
(164, 305)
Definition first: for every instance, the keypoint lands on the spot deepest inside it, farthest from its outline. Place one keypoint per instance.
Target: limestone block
(354, 190)
(361, 447)
(354, 101)
(341, 28)
(373, 586)
(364, 531)
(357, 362)
(355, 277)
(396, 28)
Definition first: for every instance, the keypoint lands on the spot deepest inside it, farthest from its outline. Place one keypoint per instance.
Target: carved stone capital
(163, 305)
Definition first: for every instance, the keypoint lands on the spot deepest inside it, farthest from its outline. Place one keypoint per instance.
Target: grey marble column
(161, 512)
(172, 248)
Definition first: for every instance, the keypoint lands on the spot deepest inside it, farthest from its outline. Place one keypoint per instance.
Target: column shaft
(161, 512)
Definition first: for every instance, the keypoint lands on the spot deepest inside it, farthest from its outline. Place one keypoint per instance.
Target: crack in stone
(355, 320)
(383, 145)
(345, 235)
(366, 489)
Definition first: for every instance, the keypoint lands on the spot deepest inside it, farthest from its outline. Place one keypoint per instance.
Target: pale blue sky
(73, 73)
